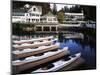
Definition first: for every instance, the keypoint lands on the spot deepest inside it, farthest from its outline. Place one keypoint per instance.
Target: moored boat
(33, 40)
(33, 61)
(29, 52)
(58, 64)
(34, 45)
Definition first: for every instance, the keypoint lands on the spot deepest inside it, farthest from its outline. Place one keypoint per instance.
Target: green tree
(60, 16)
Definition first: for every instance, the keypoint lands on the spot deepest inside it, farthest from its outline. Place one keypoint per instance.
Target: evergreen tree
(54, 9)
(77, 9)
(66, 9)
(61, 16)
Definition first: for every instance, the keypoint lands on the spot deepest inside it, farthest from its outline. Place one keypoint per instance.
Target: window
(33, 19)
(29, 19)
(44, 18)
(34, 9)
(54, 19)
(49, 19)
(37, 20)
(27, 14)
(31, 14)
(37, 15)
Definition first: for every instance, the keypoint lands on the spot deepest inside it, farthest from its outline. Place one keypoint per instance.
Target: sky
(60, 6)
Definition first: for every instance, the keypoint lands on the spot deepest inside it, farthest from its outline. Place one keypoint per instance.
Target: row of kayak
(33, 51)
(58, 64)
(33, 40)
(30, 55)
(33, 45)
(33, 61)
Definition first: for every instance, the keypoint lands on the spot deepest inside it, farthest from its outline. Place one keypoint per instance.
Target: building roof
(38, 7)
(49, 14)
(74, 14)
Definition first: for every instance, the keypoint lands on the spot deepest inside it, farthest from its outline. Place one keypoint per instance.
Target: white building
(32, 14)
(27, 14)
(74, 17)
(49, 18)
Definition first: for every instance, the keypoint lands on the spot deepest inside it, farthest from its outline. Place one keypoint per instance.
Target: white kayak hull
(34, 61)
(59, 64)
(34, 45)
(30, 52)
(33, 40)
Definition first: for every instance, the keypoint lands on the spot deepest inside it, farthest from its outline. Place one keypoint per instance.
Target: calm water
(87, 50)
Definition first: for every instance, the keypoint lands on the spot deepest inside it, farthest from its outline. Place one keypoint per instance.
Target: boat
(89, 24)
(74, 35)
(33, 40)
(34, 45)
(29, 52)
(33, 61)
(58, 64)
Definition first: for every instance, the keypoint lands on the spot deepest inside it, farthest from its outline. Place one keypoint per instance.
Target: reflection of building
(74, 17)
(27, 14)
(49, 18)
(32, 14)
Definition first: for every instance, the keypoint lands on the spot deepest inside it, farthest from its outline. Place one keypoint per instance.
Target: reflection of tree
(89, 12)
(22, 29)
(87, 41)
(60, 37)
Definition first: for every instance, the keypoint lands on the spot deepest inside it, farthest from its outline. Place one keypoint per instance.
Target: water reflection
(86, 46)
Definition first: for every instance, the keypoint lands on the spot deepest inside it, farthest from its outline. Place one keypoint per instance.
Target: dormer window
(27, 14)
(34, 9)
